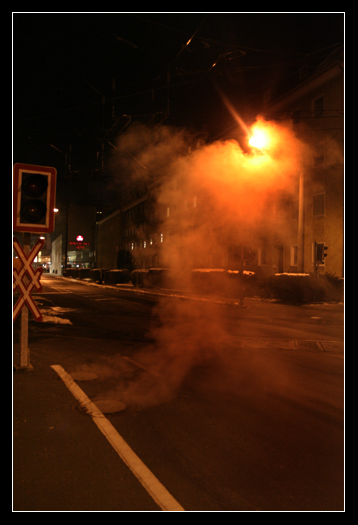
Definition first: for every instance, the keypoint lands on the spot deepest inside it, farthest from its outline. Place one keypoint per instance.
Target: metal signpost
(34, 190)
(25, 280)
(22, 283)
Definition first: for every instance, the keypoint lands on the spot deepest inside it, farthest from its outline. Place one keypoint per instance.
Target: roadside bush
(331, 287)
(95, 274)
(118, 276)
(208, 280)
(250, 282)
(139, 277)
(104, 275)
(158, 277)
(83, 273)
(152, 277)
(72, 272)
(223, 282)
(67, 272)
(294, 288)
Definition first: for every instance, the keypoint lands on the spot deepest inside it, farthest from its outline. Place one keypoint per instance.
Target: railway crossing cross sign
(26, 285)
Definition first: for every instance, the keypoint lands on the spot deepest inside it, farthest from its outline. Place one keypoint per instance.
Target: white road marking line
(152, 485)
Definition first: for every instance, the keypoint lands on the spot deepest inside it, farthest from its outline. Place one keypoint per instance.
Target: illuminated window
(161, 237)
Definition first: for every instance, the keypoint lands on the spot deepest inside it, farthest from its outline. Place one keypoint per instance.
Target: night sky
(64, 65)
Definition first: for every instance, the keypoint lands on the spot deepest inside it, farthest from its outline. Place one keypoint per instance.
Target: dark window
(294, 255)
(318, 205)
(319, 155)
(303, 71)
(248, 253)
(318, 107)
(296, 116)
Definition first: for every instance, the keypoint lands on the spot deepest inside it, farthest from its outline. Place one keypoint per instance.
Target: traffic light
(320, 252)
(34, 190)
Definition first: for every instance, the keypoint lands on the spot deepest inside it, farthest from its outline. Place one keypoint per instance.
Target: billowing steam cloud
(221, 194)
(215, 195)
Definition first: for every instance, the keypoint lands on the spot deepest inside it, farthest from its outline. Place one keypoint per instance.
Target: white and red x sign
(33, 279)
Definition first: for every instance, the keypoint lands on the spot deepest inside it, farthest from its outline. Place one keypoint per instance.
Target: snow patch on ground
(49, 315)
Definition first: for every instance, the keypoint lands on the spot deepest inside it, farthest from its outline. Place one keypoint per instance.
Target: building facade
(109, 240)
(315, 107)
(131, 237)
(74, 239)
(156, 231)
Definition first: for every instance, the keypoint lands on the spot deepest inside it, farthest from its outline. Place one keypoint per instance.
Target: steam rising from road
(208, 197)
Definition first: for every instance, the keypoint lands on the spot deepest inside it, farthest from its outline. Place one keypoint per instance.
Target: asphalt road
(228, 408)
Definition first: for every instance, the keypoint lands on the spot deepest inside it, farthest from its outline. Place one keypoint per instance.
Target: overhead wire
(184, 76)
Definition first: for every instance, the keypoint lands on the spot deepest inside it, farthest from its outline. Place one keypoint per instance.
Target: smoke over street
(207, 197)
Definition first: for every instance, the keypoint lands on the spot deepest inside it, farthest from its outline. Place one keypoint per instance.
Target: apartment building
(315, 107)
(303, 227)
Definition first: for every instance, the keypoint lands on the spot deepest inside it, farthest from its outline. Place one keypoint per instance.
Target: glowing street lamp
(259, 139)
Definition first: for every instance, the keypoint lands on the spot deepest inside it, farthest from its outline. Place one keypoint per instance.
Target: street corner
(312, 345)
(333, 347)
(283, 344)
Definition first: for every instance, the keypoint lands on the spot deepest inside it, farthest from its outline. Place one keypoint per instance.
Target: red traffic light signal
(34, 190)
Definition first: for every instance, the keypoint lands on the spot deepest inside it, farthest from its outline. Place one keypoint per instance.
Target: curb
(292, 344)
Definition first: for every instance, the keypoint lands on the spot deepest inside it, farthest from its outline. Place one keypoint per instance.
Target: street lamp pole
(301, 232)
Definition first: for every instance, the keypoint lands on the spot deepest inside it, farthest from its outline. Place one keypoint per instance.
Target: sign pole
(24, 349)
(34, 193)
(24, 327)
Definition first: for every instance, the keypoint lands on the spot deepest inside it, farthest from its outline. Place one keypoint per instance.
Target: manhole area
(108, 406)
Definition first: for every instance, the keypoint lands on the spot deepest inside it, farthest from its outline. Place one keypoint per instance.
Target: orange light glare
(259, 139)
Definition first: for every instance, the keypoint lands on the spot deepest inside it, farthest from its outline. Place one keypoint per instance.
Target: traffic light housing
(320, 252)
(34, 193)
